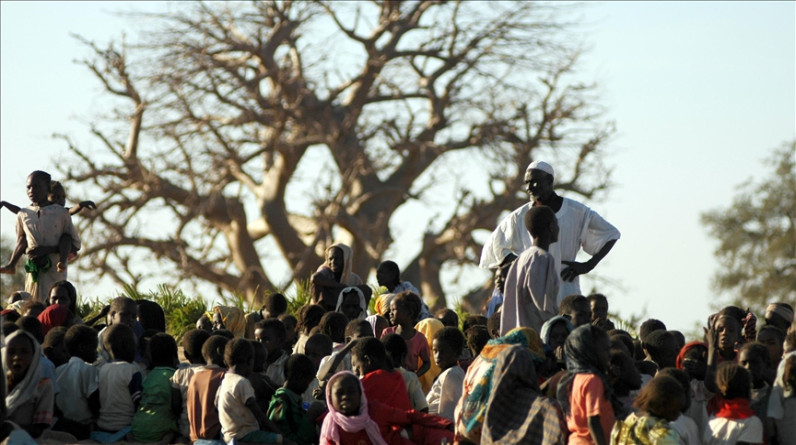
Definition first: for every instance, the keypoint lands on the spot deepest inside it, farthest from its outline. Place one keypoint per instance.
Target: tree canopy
(757, 236)
(249, 136)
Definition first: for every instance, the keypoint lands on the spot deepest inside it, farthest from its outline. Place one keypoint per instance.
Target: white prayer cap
(541, 165)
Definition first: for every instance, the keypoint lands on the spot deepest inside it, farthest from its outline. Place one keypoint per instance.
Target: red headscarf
(681, 355)
(54, 315)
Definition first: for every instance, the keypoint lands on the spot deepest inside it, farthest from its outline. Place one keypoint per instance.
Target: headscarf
(25, 389)
(373, 320)
(580, 352)
(514, 392)
(336, 421)
(24, 297)
(547, 327)
(783, 310)
(54, 315)
(347, 277)
(475, 403)
(429, 327)
(363, 305)
(681, 355)
(233, 318)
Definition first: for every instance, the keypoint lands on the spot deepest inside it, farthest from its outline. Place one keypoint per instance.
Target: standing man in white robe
(580, 228)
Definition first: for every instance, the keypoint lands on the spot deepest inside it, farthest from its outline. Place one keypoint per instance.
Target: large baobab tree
(223, 111)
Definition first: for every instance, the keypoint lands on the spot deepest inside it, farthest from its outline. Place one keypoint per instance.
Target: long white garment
(530, 295)
(445, 393)
(43, 226)
(579, 228)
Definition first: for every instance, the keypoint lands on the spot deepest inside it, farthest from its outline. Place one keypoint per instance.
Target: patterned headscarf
(580, 352)
(475, 403)
(336, 421)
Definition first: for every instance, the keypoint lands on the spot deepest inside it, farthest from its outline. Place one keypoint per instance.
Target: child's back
(236, 419)
(120, 391)
(202, 412)
(734, 421)
(154, 417)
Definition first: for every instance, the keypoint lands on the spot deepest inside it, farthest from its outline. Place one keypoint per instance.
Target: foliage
(297, 124)
(302, 297)
(462, 313)
(757, 236)
(10, 283)
(181, 311)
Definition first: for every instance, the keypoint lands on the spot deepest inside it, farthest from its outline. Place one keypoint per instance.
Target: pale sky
(700, 93)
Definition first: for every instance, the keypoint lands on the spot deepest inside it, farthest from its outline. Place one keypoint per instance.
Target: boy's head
(81, 341)
(32, 326)
(448, 317)
(368, 355)
(662, 397)
(599, 307)
(683, 379)
(779, 315)
(260, 356)
(541, 223)
(754, 358)
(502, 271)
(396, 348)
(576, 308)
(274, 305)
(493, 325)
(648, 326)
(120, 341)
(333, 324)
(239, 356)
(123, 311)
(773, 338)
(162, 350)
(270, 332)
(192, 343)
(733, 381)
(151, 315)
(447, 347)
(358, 328)
(405, 308)
(623, 368)
(54, 347)
(317, 347)
(619, 336)
(662, 348)
(388, 275)
(213, 350)
(470, 321)
(299, 372)
(477, 338)
(309, 317)
(728, 329)
(290, 323)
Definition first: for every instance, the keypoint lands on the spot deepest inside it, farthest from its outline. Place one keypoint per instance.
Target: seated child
(341, 352)
(119, 384)
(264, 388)
(192, 342)
(202, 390)
(447, 389)
(30, 398)
(308, 317)
(286, 409)
(334, 325)
(734, 421)
(477, 338)
(156, 417)
(318, 347)
(448, 317)
(271, 333)
(404, 311)
(389, 406)
(348, 420)
(396, 349)
(78, 400)
(54, 347)
(241, 418)
(658, 403)
(290, 323)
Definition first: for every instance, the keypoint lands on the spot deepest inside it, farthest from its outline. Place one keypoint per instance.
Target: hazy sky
(700, 93)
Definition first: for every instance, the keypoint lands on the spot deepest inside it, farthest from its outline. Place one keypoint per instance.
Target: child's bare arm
(711, 337)
(262, 419)
(14, 209)
(22, 245)
(74, 210)
(426, 365)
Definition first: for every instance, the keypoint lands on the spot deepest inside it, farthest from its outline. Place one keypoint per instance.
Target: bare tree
(226, 101)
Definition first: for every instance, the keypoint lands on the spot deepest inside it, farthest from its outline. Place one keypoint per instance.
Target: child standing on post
(531, 290)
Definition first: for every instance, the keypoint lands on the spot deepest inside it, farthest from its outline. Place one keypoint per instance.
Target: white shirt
(531, 293)
(446, 392)
(236, 419)
(78, 380)
(687, 429)
(579, 228)
(731, 431)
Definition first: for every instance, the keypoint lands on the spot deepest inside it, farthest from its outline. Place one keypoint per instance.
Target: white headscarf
(363, 305)
(25, 389)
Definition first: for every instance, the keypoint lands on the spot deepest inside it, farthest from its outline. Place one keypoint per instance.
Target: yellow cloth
(233, 319)
(429, 327)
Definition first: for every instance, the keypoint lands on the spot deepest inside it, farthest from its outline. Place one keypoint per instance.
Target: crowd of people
(540, 365)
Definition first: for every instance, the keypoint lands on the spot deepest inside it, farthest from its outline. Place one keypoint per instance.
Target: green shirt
(154, 417)
(287, 413)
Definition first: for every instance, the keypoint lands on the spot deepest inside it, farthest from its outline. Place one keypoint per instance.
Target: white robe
(531, 292)
(579, 228)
